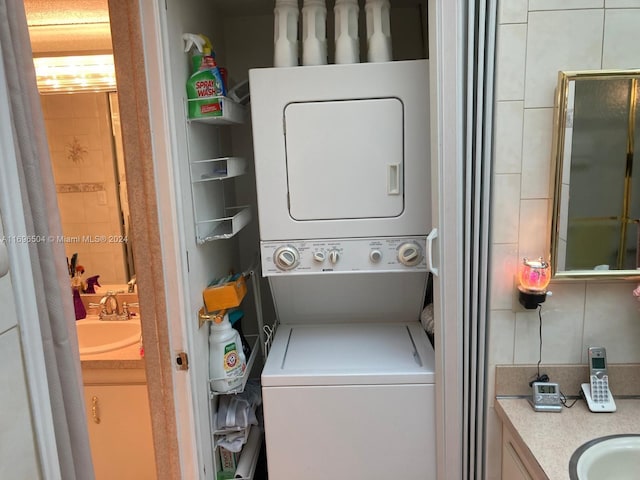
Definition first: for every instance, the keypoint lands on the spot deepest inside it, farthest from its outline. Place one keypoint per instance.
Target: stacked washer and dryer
(343, 184)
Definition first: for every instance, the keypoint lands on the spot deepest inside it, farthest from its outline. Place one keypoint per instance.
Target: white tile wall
(512, 11)
(508, 137)
(501, 336)
(503, 268)
(558, 35)
(559, 40)
(556, 39)
(612, 320)
(622, 3)
(564, 4)
(534, 229)
(505, 211)
(621, 39)
(562, 326)
(511, 49)
(536, 152)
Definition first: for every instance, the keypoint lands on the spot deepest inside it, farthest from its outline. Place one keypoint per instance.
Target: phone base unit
(601, 402)
(545, 397)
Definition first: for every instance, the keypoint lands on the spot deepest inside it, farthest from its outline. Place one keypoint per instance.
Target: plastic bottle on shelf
(346, 31)
(285, 33)
(314, 32)
(378, 30)
(227, 362)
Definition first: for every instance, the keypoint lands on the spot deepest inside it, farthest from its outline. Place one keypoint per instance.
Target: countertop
(549, 439)
(125, 358)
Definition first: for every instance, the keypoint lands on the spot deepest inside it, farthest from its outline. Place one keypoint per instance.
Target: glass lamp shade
(534, 275)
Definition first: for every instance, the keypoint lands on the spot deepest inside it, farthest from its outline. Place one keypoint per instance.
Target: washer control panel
(298, 257)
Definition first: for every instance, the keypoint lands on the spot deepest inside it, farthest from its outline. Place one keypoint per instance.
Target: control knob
(375, 256)
(409, 254)
(319, 256)
(286, 258)
(334, 256)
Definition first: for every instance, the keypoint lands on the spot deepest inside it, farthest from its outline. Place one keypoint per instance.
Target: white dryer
(342, 151)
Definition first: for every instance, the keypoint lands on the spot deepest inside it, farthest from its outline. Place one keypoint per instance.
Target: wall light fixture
(534, 277)
(81, 73)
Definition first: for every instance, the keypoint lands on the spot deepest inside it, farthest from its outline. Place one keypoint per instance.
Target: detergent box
(224, 293)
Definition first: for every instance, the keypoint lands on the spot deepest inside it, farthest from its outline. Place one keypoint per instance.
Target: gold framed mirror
(596, 206)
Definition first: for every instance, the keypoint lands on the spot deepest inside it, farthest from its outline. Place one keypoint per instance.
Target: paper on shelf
(249, 456)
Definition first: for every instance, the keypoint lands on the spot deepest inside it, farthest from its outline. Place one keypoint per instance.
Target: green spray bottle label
(205, 85)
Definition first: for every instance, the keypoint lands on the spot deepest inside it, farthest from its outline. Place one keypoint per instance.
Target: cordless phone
(596, 392)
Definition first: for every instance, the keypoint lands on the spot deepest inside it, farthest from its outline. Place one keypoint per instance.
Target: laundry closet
(316, 183)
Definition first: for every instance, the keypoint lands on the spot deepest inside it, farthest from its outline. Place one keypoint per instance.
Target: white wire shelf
(255, 348)
(226, 227)
(217, 169)
(215, 110)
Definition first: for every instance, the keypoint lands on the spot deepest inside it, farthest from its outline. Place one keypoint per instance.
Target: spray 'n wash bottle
(206, 83)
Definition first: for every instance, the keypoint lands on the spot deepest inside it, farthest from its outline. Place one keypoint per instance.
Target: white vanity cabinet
(515, 464)
(119, 424)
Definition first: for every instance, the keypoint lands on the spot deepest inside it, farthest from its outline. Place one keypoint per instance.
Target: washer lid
(350, 354)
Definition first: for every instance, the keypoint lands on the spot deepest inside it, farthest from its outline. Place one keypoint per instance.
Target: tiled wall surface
(86, 183)
(536, 39)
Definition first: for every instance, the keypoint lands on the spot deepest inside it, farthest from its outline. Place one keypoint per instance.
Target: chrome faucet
(110, 308)
(109, 303)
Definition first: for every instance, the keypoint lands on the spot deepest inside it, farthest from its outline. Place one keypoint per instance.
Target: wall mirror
(596, 210)
(80, 106)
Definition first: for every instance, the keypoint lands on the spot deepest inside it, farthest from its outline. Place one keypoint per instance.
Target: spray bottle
(206, 84)
(92, 283)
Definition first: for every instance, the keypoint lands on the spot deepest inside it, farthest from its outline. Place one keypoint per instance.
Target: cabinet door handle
(95, 412)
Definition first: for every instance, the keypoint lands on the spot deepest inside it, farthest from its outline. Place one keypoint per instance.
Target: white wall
(535, 40)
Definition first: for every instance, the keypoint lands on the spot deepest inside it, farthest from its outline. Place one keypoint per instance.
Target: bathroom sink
(615, 457)
(97, 336)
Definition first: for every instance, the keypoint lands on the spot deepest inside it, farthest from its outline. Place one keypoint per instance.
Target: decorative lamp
(533, 276)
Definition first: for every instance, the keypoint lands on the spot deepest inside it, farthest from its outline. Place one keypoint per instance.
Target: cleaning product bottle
(227, 362)
(378, 30)
(346, 31)
(314, 32)
(206, 85)
(285, 33)
(92, 283)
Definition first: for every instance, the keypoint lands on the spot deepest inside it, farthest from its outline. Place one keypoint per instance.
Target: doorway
(76, 27)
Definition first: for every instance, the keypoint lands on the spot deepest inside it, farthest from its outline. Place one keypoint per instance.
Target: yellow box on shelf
(224, 295)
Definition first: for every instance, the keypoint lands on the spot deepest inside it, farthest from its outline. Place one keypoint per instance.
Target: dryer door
(345, 159)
